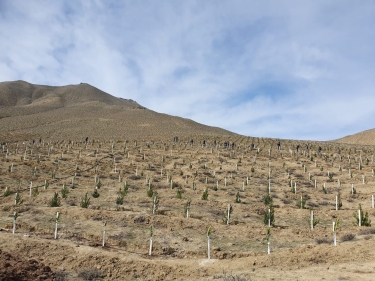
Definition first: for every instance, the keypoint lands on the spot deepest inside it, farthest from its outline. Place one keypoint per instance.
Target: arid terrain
(135, 183)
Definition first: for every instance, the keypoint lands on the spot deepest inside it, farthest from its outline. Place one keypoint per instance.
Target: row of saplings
(361, 218)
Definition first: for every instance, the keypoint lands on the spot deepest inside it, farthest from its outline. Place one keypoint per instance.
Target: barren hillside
(33, 111)
(363, 138)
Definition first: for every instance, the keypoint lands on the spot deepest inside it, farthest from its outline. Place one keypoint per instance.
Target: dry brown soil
(238, 250)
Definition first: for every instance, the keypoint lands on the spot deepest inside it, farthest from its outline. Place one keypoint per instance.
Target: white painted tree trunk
(150, 250)
(208, 247)
(56, 230)
(334, 239)
(268, 246)
(334, 233)
(14, 224)
(269, 217)
(104, 232)
(359, 217)
(312, 220)
(336, 203)
(228, 214)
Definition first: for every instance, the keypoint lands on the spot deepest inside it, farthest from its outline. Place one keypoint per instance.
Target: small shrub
(99, 184)
(238, 199)
(123, 192)
(150, 191)
(364, 217)
(95, 194)
(267, 199)
(35, 191)
(179, 193)
(55, 201)
(269, 215)
(323, 240)
(324, 190)
(205, 194)
(225, 216)
(367, 231)
(60, 275)
(6, 192)
(120, 200)
(85, 201)
(301, 203)
(155, 203)
(64, 191)
(90, 274)
(347, 237)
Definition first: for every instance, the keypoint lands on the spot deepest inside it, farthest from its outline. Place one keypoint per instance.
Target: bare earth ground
(238, 250)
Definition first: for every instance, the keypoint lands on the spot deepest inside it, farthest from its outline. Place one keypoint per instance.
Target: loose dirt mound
(14, 268)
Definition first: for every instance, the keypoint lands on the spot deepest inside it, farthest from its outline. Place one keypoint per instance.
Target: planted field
(122, 193)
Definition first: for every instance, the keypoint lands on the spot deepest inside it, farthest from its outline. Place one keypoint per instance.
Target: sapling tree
(205, 194)
(121, 195)
(227, 214)
(55, 201)
(95, 194)
(335, 226)
(187, 208)
(151, 238)
(150, 191)
(104, 232)
(64, 191)
(324, 189)
(301, 202)
(269, 216)
(85, 201)
(361, 218)
(267, 199)
(238, 199)
(209, 242)
(15, 216)
(56, 221)
(338, 202)
(179, 193)
(268, 237)
(155, 203)
(46, 184)
(312, 220)
(35, 191)
(6, 192)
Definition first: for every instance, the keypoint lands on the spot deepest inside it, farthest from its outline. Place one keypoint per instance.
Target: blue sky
(283, 69)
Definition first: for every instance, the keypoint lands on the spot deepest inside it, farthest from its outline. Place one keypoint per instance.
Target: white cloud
(288, 69)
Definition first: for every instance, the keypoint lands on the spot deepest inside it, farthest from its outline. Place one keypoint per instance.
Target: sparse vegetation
(85, 201)
(55, 201)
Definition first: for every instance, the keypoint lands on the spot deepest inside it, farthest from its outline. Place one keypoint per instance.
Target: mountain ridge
(76, 111)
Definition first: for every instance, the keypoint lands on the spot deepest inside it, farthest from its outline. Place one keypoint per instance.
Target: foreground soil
(176, 173)
(15, 268)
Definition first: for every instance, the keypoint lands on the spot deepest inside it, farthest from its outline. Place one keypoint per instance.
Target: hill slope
(76, 111)
(363, 138)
